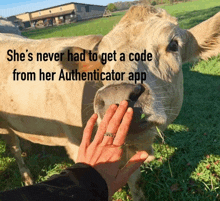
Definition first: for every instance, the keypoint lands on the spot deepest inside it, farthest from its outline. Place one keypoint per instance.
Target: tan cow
(54, 112)
(8, 27)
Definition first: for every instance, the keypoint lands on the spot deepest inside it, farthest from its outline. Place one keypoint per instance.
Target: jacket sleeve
(80, 182)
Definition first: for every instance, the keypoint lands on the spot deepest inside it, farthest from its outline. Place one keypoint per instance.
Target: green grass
(187, 165)
(92, 27)
(43, 162)
(190, 6)
(189, 14)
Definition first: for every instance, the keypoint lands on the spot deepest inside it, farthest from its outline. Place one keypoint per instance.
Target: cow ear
(80, 59)
(207, 35)
(190, 48)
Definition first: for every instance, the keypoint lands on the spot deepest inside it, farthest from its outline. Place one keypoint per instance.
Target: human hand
(104, 152)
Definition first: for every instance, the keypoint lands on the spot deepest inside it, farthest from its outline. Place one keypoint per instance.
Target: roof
(59, 6)
(65, 5)
(53, 15)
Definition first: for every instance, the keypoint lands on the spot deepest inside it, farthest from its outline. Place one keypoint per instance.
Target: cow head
(158, 99)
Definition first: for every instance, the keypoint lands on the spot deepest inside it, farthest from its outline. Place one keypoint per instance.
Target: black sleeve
(80, 182)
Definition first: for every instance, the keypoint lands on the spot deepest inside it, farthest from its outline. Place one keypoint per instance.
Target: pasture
(187, 164)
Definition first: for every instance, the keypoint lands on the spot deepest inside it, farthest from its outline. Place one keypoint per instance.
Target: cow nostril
(101, 103)
(137, 91)
(133, 97)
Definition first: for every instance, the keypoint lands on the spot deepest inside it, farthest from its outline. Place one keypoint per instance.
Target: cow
(8, 27)
(43, 109)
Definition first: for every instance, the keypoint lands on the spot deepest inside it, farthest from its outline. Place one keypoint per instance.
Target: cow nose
(114, 94)
(140, 98)
(136, 92)
(136, 95)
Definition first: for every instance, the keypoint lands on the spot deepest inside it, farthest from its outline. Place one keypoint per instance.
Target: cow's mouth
(139, 98)
(140, 126)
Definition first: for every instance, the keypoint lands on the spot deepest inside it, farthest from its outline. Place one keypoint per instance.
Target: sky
(14, 7)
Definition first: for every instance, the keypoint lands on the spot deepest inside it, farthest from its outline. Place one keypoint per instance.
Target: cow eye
(173, 46)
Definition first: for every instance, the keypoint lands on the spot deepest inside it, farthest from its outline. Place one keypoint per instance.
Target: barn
(65, 13)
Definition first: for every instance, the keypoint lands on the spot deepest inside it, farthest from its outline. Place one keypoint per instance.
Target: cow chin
(139, 97)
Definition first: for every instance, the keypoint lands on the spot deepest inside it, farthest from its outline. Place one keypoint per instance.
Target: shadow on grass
(200, 114)
(190, 19)
(40, 159)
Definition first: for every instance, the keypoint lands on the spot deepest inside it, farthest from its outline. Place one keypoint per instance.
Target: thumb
(134, 163)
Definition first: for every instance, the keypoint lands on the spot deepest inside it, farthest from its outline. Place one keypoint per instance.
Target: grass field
(187, 166)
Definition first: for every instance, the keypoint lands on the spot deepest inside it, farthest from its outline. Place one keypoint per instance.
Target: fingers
(104, 123)
(115, 122)
(116, 119)
(88, 131)
(123, 128)
(133, 164)
(139, 157)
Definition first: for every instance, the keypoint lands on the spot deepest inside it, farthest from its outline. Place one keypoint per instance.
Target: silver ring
(109, 134)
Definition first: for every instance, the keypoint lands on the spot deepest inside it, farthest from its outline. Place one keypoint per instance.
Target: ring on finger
(109, 134)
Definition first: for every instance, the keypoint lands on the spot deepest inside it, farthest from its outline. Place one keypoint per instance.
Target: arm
(96, 175)
(80, 182)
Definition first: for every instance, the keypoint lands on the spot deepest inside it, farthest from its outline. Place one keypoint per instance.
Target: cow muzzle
(139, 97)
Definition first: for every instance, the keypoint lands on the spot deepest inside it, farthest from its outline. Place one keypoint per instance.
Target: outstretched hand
(104, 152)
